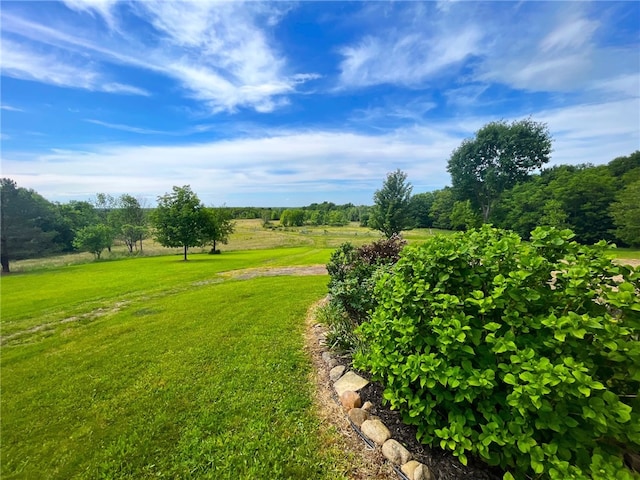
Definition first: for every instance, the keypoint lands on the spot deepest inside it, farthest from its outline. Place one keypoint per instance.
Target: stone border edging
(345, 386)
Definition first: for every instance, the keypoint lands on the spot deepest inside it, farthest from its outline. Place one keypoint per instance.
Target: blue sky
(285, 104)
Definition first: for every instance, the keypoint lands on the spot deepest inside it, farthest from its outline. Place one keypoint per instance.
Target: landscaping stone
(422, 472)
(329, 360)
(376, 431)
(395, 452)
(349, 381)
(350, 400)
(336, 372)
(358, 416)
(367, 406)
(409, 469)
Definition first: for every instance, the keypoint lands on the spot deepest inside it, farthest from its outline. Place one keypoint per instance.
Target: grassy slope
(193, 378)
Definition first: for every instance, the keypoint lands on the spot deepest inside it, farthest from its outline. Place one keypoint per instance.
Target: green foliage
(442, 207)
(26, 224)
(524, 354)
(217, 228)
(392, 210)
(420, 206)
(129, 220)
(626, 214)
(292, 217)
(463, 217)
(179, 219)
(499, 156)
(340, 327)
(353, 273)
(94, 239)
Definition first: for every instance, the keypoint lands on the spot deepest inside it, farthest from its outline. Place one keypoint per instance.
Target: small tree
(392, 211)
(179, 219)
(131, 221)
(94, 239)
(218, 227)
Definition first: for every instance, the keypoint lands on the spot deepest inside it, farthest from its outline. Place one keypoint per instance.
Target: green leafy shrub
(353, 273)
(524, 354)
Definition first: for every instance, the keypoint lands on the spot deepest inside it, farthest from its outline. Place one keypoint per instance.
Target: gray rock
(395, 452)
(350, 381)
(422, 472)
(336, 372)
(358, 416)
(376, 431)
(328, 359)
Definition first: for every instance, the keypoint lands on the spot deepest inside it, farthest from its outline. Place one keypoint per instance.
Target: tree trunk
(185, 252)
(4, 257)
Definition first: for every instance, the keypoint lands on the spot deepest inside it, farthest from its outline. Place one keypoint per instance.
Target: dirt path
(300, 271)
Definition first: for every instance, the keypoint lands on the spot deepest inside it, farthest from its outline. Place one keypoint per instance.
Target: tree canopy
(179, 219)
(218, 226)
(500, 155)
(26, 224)
(392, 210)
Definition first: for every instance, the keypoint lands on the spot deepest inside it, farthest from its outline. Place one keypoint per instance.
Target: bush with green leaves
(353, 271)
(526, 355)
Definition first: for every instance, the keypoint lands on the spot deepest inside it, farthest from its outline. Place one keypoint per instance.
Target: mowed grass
(170, 370)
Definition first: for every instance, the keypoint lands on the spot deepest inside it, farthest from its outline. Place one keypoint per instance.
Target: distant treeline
(325, 213)
(596, 202)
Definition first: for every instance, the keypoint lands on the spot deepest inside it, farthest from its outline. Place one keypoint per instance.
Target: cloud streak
(315, 163)
(218, 52)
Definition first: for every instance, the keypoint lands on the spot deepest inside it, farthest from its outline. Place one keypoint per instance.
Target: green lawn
(183, 373)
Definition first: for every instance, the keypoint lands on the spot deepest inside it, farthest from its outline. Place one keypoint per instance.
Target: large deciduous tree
(392, 210)
(500, 155)
(179, 219)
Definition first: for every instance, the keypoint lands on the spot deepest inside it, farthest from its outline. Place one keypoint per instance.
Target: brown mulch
(368, 463)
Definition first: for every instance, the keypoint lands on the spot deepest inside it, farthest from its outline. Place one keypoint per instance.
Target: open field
(249, 235)
(158, 368)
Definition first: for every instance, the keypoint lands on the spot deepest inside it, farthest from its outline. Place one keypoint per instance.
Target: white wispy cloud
(561, 54)
(313, 161)
(218, 52)
(319, 163)
(57, 68)
(10, 108)
(554, 47)
(126, 128)
(407, 56)
(103, 8)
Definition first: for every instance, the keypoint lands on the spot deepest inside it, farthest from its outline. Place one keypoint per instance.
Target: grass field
(158, 368)
(249, 235)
